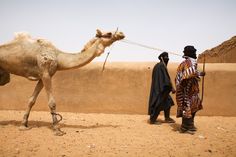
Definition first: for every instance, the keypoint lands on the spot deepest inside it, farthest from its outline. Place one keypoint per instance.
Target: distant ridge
(223, 53)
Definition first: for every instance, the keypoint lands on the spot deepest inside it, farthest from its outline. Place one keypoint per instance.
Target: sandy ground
(108, 135)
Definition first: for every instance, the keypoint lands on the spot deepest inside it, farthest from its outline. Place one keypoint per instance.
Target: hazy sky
(166, 24)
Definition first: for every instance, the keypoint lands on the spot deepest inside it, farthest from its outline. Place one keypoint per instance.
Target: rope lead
(148, 47)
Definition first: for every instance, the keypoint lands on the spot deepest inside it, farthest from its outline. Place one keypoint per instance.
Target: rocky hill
(223, 53)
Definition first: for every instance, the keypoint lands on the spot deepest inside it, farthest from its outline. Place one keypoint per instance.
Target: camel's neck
(70, 61)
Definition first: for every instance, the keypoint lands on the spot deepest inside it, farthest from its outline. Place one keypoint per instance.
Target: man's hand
(202, 73)
(173, 91)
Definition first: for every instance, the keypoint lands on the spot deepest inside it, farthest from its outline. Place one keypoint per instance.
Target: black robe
(160, 89)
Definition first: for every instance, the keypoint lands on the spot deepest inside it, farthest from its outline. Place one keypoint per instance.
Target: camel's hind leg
(31, 103)
(47, 82)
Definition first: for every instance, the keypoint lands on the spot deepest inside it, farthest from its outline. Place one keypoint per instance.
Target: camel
(38, 60)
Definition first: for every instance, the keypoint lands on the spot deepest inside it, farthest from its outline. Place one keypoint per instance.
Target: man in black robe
(161, 86)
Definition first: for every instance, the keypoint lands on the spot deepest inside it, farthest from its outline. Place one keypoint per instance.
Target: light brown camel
(38, 60)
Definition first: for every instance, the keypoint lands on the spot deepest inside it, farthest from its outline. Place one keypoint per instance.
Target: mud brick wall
(123, 87)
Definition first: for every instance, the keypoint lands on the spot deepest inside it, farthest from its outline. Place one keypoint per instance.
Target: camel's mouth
(110, 35)
(119, 35)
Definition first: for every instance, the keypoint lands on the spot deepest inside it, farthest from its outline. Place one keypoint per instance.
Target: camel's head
(103, 40)
(107, 38)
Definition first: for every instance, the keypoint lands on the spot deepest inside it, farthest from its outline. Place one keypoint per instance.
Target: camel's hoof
(24, 128)
(57, 131)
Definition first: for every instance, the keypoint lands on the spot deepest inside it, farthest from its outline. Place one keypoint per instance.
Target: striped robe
(187, 88)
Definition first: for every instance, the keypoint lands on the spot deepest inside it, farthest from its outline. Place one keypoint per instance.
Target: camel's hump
(22, 35)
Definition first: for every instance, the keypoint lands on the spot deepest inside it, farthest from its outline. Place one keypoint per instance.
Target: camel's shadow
(38, 124)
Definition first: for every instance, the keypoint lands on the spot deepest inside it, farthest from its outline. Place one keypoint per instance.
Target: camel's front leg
(47, 82)
(31, 103)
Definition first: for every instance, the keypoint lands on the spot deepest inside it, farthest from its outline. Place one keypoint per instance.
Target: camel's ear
(99, 33)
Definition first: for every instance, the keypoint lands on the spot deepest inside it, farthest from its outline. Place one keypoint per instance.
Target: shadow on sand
(175, 127)
(38, 124)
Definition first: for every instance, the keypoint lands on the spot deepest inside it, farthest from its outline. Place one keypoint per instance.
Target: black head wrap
(163, 55)
(190, 51)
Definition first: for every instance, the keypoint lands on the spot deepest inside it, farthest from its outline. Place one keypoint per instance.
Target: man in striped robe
(187, 89)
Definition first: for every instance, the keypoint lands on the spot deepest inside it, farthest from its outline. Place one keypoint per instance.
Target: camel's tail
(4, 77)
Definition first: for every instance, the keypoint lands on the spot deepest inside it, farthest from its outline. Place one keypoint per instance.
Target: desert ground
(114, 135)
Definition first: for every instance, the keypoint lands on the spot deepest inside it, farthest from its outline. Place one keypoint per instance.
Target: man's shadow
(175, 127)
